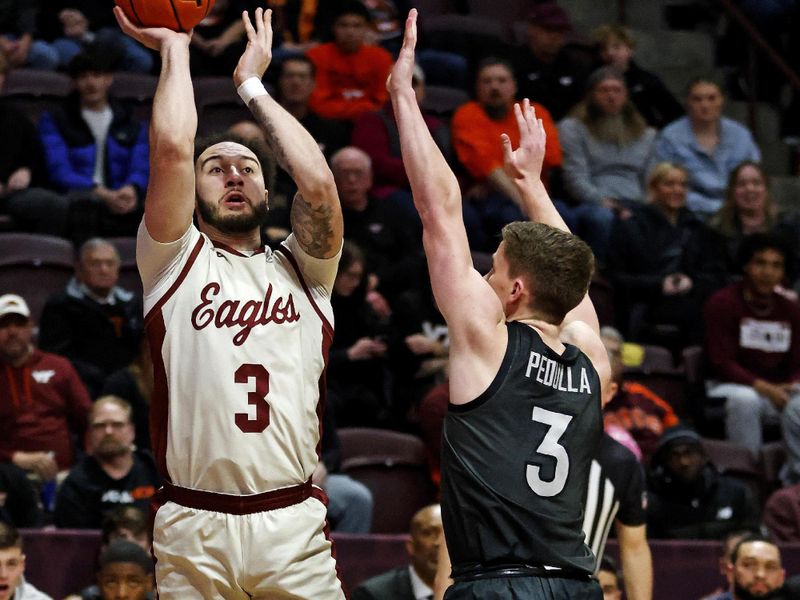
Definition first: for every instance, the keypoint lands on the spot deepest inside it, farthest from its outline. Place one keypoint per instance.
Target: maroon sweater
(42, 403)
(743, 346)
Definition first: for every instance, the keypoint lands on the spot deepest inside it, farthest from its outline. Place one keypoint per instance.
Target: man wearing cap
(549, 70)
(688, 498)
(42, 400)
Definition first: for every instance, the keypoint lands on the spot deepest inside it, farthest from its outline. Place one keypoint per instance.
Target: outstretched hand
(258, 53)
(526, 161)
(151, 37)
(403, 70)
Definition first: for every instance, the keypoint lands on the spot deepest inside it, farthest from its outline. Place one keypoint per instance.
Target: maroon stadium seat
(394, 466)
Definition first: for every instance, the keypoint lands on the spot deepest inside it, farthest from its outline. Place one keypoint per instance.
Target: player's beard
(235, 223)
(743, 593)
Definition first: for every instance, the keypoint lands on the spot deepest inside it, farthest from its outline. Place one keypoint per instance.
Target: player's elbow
(168, 146)
(319, 183)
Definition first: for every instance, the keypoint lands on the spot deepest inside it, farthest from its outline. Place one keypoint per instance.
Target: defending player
(239, 337)
(526, 366)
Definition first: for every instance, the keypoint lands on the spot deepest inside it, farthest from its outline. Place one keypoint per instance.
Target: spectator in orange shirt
(351, 76)
(477, 126)
(634, 406)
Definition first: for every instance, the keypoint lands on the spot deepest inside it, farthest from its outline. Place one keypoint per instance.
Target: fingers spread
(521, 123)
(248, 27)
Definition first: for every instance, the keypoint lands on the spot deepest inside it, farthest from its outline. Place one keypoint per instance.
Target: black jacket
(394, 585)
(646, 247)
(88, 493)
(712, 507)
(97, 338)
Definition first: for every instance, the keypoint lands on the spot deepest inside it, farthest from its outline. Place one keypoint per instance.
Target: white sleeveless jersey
(239, 346)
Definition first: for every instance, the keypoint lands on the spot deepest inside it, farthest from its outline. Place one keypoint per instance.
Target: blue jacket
(70, 149)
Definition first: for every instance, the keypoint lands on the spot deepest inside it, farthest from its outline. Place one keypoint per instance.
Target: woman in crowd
(664, 262)
(749, 208)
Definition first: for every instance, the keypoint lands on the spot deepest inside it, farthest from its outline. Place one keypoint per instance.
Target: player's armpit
(583, 336)
(313, 226)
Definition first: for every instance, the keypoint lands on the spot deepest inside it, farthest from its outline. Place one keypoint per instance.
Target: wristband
(251, 88)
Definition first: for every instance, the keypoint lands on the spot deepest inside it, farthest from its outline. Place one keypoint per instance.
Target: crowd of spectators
(673, 202)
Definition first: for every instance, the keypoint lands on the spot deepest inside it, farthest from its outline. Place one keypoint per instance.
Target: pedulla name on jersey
(244, 315)
(556, 375)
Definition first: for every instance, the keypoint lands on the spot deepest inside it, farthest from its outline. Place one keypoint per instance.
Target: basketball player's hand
(403, 70)
(258, 53)
(526, 161)
(154, 38)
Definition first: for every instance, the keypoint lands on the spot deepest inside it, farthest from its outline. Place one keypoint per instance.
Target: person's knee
(742, 400)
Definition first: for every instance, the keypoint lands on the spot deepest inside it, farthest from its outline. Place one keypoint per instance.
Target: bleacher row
(217, 103)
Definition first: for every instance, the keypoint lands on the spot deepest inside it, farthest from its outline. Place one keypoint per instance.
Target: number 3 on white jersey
(557, 423)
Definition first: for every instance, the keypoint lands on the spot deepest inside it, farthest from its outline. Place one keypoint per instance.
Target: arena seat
(394, 466)
(136, 90)
(737, 461)
(36, 91)
(443, 100)
(708, 413)
(659, 373)
(34, 266)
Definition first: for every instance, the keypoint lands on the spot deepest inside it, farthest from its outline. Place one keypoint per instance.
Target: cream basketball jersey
(239, 345)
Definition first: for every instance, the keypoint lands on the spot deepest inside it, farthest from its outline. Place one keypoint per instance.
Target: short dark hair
(299, 58)
(557, 264)
(265, 157)
(352, 7)
(609, 564)
(123, 551)
(758, 242)
(9, 537)
(89, 62)
(491, 61)
(125, 517)
(749, 539)
(709, 79)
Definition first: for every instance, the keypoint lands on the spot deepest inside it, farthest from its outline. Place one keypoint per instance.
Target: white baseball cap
(11, 304)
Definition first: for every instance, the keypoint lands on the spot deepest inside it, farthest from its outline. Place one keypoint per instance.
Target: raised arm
(524, 166)
(316, 212)
(169, 203)
(470, 306)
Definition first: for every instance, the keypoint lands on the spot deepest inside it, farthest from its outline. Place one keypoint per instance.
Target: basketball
(178, 15)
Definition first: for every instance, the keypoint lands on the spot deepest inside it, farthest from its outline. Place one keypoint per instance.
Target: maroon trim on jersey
(320, 495)
(176, 284)
(234, 251)
(159, 401)
(293, 261)
(233, 504)
(322, 401)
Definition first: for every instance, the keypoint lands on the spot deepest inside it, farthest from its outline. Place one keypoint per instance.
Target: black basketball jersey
(515, 461)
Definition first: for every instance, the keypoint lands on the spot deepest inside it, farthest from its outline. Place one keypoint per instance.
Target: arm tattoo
(312, 227)
(272, 137)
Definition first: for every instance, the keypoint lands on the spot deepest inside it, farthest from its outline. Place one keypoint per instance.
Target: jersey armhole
(497, 382)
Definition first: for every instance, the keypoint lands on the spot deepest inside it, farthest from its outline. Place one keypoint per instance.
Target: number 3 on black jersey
(557, 424)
